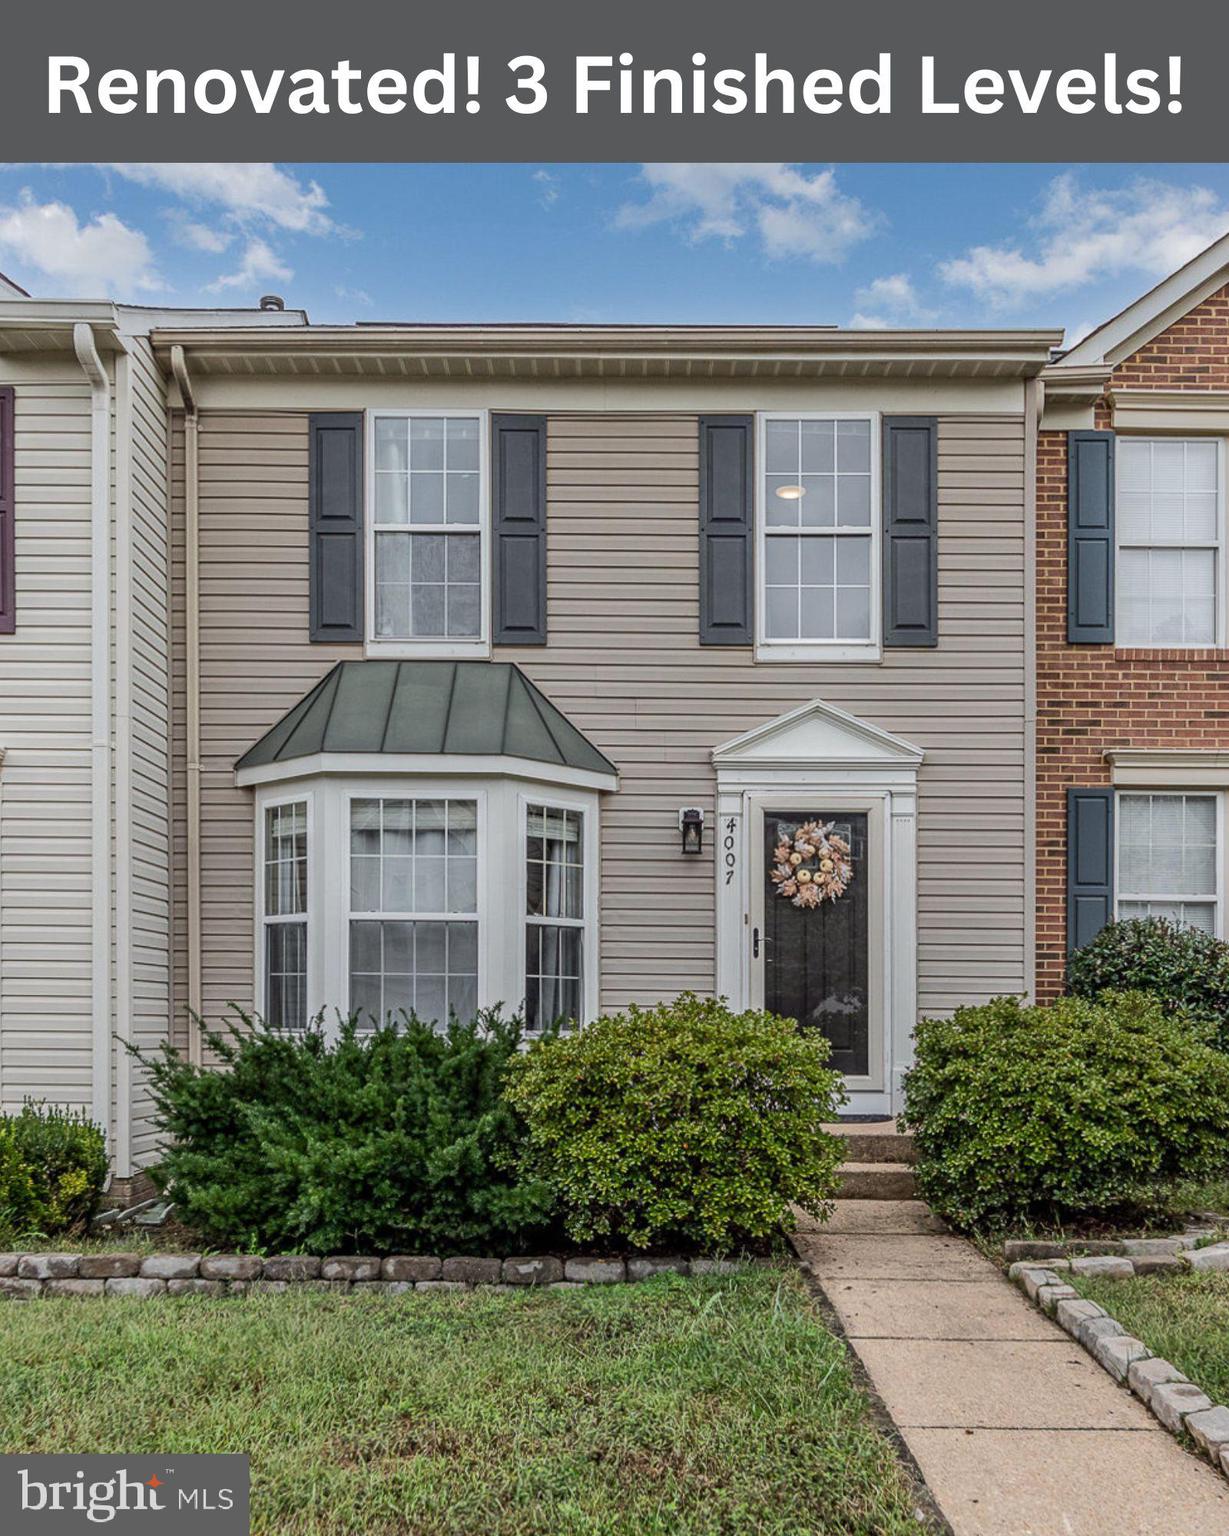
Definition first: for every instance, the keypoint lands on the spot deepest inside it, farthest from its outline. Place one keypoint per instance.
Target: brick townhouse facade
(1132, 671)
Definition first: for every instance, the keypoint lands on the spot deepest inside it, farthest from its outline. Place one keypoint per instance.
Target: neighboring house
(430, 643)
(1132, 683)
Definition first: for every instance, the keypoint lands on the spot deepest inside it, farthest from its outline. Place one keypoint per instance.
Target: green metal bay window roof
(427, 709)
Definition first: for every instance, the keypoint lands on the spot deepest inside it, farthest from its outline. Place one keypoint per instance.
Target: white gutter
(192, 661)
(100, 713)
(123, 764)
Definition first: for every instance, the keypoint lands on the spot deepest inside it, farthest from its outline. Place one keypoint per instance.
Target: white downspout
(192, 667)
(100, 728)
(1034, 394)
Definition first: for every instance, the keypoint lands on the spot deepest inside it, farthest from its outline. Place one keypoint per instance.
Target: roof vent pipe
(272, 301)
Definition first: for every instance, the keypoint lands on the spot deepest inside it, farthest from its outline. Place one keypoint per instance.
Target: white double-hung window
(555, 900)
(413, 908)
(428, 560)
(284, 858)
(1169, 858)
(1170, 522)
(817, 554)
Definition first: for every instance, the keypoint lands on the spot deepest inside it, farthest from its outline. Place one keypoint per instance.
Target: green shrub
(53, 1165)
(1080, 1108)
(395, 1139)
(685, 1123)
(1185, 967)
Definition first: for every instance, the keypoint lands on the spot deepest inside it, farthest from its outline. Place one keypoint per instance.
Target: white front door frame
(820, 754)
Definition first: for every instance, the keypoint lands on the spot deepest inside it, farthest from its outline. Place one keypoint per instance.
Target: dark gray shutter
(1090, 538)
(727, 495)
(518, 452)
(910, 530)
(1090, 863)
(8, 514)
(335, 490)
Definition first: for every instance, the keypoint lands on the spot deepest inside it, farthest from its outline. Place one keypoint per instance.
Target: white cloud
(793, 214)
(261, 192)
(102, 258)
(260, 264)
(201, 237)
(353, 295)
(894, 302)
(548, 196)
(1084, 235)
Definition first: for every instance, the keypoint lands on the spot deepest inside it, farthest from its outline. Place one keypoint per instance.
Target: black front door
(816, 959)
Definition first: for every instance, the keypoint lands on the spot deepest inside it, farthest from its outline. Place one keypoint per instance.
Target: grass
(705, 1407)
(1182, 1318)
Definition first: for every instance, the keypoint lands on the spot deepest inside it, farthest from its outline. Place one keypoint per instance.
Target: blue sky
(794, 243)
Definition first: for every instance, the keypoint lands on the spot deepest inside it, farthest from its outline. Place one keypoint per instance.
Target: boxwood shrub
(391, 1139)
(1185, 967)
(1081, 1108)
(681, 1124)
(53, 1165)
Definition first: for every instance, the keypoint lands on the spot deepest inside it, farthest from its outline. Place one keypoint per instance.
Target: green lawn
(715, 1406)
(1182, 1318)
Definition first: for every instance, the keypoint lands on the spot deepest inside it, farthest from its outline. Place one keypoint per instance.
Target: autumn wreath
(814, 867)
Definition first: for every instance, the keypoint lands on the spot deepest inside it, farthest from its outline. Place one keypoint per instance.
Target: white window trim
(590, 963)
(1220, 564)
(266, 804)
(501, 801)
(820, 650)
(421, 648)
(1172, 790)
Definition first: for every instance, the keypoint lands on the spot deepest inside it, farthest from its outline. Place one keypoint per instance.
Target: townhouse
(1132, 686)
(369, 667)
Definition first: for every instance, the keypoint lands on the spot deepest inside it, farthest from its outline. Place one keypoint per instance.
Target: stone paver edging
(1120, 1258)
(29, 1275)
(1173, 1398)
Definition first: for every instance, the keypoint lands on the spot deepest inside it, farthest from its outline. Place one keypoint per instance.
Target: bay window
(1170, 501)
(384, 894)
(428, 520)
(818, 539)
(1169, 858)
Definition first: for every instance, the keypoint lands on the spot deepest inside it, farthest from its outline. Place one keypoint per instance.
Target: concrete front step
(876, 1142)
(876, 1181)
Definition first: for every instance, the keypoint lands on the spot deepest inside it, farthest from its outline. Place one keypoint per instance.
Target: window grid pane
(817, 587)
(553, 974)
(1168, 858)
(286, 859)
(286, 975)
(1168, 519)
(412, 860)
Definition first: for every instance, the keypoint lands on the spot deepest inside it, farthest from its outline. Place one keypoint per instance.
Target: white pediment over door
(817, 735)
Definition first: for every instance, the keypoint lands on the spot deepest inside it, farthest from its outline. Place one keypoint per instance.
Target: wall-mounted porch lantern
(691, 825)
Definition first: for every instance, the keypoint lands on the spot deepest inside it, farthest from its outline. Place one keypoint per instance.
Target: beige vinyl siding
(150, 891)
(624, 662)
(256, 660)
(45, 900)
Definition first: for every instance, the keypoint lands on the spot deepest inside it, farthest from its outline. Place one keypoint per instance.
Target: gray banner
(163, 1495)
(962, 37)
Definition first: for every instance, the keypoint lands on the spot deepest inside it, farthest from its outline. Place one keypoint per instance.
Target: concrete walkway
(1017, 1431)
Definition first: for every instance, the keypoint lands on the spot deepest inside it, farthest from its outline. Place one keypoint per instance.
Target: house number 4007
(729, 844)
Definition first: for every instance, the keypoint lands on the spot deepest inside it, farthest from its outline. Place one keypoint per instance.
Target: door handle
(755, 943)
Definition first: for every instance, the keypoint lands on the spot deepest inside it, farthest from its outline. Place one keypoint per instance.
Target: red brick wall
(1091, 698)
(1192, 354)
